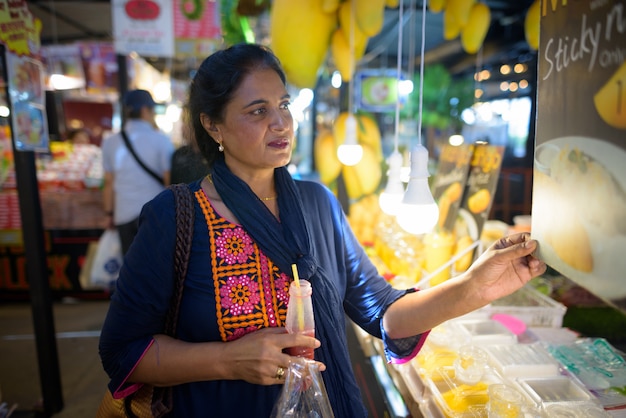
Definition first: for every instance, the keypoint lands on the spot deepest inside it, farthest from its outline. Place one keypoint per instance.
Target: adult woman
(229, 351)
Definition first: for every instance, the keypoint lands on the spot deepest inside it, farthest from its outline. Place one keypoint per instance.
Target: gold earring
(221, 147)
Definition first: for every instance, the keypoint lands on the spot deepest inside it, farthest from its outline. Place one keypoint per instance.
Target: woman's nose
(281, 120)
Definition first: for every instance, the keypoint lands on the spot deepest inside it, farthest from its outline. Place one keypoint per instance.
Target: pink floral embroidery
(281, 284)
(240, 294)
(240, 332)
(234, 246)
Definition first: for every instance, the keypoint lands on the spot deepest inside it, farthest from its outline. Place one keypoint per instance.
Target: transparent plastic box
(486, 331)
(530, 306)
(457, 399)
(522, 360)
(598, 366)
(545, 391)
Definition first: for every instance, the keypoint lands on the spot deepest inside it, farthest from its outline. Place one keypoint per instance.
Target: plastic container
(522, 360)
(545, 391)
(531, 306)
(487, 331)
(504, 402)
(585, 410)
(457, 399)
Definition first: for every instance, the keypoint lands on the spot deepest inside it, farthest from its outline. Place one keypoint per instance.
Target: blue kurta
(139, 305)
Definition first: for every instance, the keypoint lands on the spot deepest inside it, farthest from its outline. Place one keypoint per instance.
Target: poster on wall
(450, 181)
(197, 28)
(99, 67)
(25, 82)
(143, 27)
(579, 186)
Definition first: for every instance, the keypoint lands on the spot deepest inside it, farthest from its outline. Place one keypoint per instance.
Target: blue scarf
(288, 242)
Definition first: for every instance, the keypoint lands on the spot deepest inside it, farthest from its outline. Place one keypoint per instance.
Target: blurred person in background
(79, 136)
(133, 178)
(188, 164)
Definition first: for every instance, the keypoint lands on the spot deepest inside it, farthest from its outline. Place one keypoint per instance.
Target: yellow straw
(296, 279)
(299, 306)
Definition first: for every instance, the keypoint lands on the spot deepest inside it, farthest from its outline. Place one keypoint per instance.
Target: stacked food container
(491, 363)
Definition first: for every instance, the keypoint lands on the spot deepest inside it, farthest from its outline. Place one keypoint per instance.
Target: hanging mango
(474, 33)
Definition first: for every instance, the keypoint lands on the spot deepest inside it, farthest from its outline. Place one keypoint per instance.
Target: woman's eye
(286, 105)
(259, 111)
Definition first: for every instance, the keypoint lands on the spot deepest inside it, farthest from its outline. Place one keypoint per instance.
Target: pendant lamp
(350, 152)
(418, 213)
(391, 197)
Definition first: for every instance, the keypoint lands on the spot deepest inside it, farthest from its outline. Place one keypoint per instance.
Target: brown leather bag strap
(182, 250)
(162, 397)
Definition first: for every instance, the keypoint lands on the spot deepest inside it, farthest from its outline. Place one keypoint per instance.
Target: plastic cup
(504, 402)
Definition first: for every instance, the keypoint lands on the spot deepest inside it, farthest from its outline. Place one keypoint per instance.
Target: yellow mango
(448, 197)
(340, 52)
(479, 201)
(451, 27)
(460, 10)
(363, 178)
(453, 191)
(370, 16)
(330, 6)
(347, 23)
(301, 56)
(326, 161)
(462, 397)
(474, 32)
(368, 132)
(610, 100)
(465, 261)
(436, 6)
(531, 24)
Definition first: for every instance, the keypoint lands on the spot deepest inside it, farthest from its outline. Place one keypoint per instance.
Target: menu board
(27, 98)
(579, 183)
(480, 188)
(449, 182)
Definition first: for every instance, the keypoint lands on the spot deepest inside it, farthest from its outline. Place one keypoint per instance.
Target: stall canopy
(79, 20)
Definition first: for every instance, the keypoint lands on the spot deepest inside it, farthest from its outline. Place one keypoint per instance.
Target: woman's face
(257, 130)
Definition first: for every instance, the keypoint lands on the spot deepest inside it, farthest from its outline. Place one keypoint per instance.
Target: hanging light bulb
(418, 213)
(350, 152)
(390, 199)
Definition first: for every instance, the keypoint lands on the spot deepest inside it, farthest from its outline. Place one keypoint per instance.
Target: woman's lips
(279, 144)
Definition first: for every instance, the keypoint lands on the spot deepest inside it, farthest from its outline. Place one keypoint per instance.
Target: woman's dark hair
(212, 87)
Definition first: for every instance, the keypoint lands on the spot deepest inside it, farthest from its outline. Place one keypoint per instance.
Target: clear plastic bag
(108, 259)
(304, 394)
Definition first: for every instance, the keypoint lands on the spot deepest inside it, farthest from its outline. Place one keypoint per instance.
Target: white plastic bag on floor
(108, 260)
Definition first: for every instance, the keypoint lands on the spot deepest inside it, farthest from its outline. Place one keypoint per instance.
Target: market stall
(69, 181)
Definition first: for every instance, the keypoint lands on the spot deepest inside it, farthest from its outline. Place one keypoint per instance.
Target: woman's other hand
(258, 357)
(507, 265)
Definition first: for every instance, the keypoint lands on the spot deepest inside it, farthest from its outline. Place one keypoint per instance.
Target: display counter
(72, 216)
(473, 365)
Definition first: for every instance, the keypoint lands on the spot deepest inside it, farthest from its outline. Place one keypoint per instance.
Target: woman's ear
(209, 126)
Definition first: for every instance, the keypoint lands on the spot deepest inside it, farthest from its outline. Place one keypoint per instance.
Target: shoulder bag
(141, 163)
(150, 401)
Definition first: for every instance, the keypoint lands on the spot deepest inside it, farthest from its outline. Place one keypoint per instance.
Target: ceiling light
(418, 213)
(350, 152)
(391, 197)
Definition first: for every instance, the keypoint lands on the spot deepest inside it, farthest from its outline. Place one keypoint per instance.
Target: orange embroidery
(250, 291)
